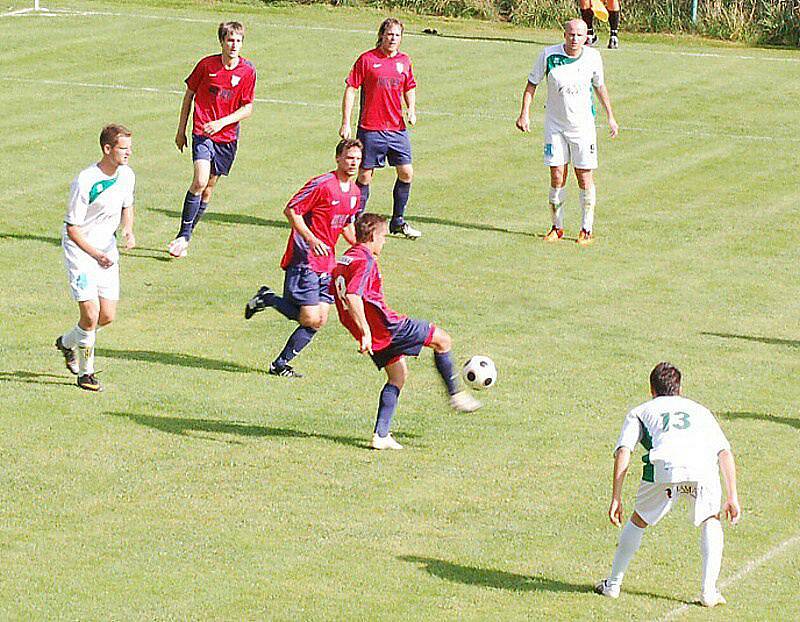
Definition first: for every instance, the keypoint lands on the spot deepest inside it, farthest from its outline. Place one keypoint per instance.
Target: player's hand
(103, 260)
(523, 123)
(130, 239)
(613, 128)
(180, 141)
(365, 346)
(212, 127)
(615, 512)
(412, 118)
(732, 511)
(319, 247)
(345, 131)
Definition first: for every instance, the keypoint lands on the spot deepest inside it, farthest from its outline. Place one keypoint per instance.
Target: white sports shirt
(682, 438)
(569, 85)
(96, 202)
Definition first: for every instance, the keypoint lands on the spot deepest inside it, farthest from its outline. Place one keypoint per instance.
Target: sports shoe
(70, 358)
(285, 371)
(405, 230)
(712, 600)
(604, 588)
(554, 235)
(463, 402)
(179, 247)
(262, 299)
(591, 40)
(585, 237)
(613, 42)
(384, 442)
(89, 382)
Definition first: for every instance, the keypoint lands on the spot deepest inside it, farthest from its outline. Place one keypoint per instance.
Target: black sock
(613, 22)
(588, 16)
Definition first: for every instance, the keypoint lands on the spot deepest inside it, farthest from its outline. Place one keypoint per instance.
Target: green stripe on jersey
(100, 187)
(648, 472)
(556, 60)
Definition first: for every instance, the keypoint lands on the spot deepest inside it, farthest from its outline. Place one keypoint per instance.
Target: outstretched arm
(602, 95)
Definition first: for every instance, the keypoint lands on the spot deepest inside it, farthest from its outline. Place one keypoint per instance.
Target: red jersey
(357, 273)
(383, 80)
(218, 92)
(326, 210)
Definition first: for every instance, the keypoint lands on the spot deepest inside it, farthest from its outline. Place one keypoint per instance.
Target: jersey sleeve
(305, 198)
(539, 69)
(598, 79)
(357, 275)
(631, 432)
(716, 439)
(78, 203)
(356, 76)
(411, 83)
(195, 78)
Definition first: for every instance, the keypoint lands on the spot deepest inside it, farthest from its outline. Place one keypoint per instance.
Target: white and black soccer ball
(479, 373)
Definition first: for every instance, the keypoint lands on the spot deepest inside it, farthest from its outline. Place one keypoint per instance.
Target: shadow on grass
(440, 35)
(468, 225)
(34, 238)
(773, 341)
(500, 579)
(790, 421)
(30, 377)
(176, 358)
(228, 219)
(183, 426)
(141, 252)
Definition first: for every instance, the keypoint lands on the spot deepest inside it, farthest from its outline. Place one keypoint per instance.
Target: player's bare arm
(126, 222)
(622, 459)
(727, 465)
(186, 107)
(355, 307)
(317, 246)
(410, 97)
(212, 127)
(602, 95)
(349, 234)
(348, 100)
(523, 121)
(74, 234)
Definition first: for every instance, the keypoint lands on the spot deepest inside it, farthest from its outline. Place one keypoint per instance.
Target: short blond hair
(111, 133)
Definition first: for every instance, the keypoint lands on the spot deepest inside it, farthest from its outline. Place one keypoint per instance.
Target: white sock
(711, 544)
(556, 199)
(86, 339)
(587, 199)
(629, 541)
(70, 338)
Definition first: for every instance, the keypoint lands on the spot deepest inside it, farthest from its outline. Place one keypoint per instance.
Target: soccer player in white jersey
(100, 198)
(686, 450)
(572, 70)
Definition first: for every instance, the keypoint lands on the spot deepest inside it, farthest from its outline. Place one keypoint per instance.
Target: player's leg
(588, 198)
(711, 544)
(613, 23)
(588, 16)
(555, 199)
(396, 375)
(399, 156)
(191, 202)
(373, 156)
(86, 334)
(205, 199)
(441, 343)
(363, 182)
(583, 152)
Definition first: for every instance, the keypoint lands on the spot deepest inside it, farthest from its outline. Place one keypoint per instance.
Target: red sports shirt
(357, 273)
(326, 210)
(382, 80)
(219, 92)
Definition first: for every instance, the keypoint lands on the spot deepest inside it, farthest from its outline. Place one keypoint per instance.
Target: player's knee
(405, 174)
(441, 342)
(105, 320)
(365, 176)
(638, 520)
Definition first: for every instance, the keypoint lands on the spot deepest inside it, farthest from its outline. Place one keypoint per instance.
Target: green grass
(198, 487)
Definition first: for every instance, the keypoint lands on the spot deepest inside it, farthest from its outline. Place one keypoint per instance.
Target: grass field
(198, 487)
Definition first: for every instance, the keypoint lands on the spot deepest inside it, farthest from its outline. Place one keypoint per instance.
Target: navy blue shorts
(221, 155)
(409, 340)
(304, 287)
(379, 144)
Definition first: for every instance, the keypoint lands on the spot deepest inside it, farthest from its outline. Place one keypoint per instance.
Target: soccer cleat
(89, 382)
(407, 231)
(604, 588)
(70, 358)
(585, 237)
(613, 42)
(463, 402)
(591, 40)
(554, 235)
(179, 247)
(262, 299)
(285, 371)
(712, 600)
(384, 442)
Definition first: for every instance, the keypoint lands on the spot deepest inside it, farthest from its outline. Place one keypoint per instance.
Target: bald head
(578, 24)
(574, 36)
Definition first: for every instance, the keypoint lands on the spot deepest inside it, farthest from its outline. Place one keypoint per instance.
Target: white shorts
(87, 280)
(654, 501)
(576, 146)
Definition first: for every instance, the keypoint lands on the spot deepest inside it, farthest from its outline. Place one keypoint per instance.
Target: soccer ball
(479, 373)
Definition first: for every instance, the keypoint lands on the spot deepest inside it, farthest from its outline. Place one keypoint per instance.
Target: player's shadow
(184, 426)
(468, 225)
(773, 341)
(34, 238)
(29, 377)
(433, 32)
(500, 579)
(790, 421)
(176, 358)
(228, 219)
(142, 252)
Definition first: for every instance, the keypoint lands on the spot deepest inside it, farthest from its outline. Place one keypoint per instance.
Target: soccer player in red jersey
(387, 336)
(222, 87)
(386, 79)
(324, 208)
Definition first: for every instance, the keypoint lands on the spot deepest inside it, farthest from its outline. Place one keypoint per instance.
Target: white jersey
(683, 440)
(570, 104)
(95, 205)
